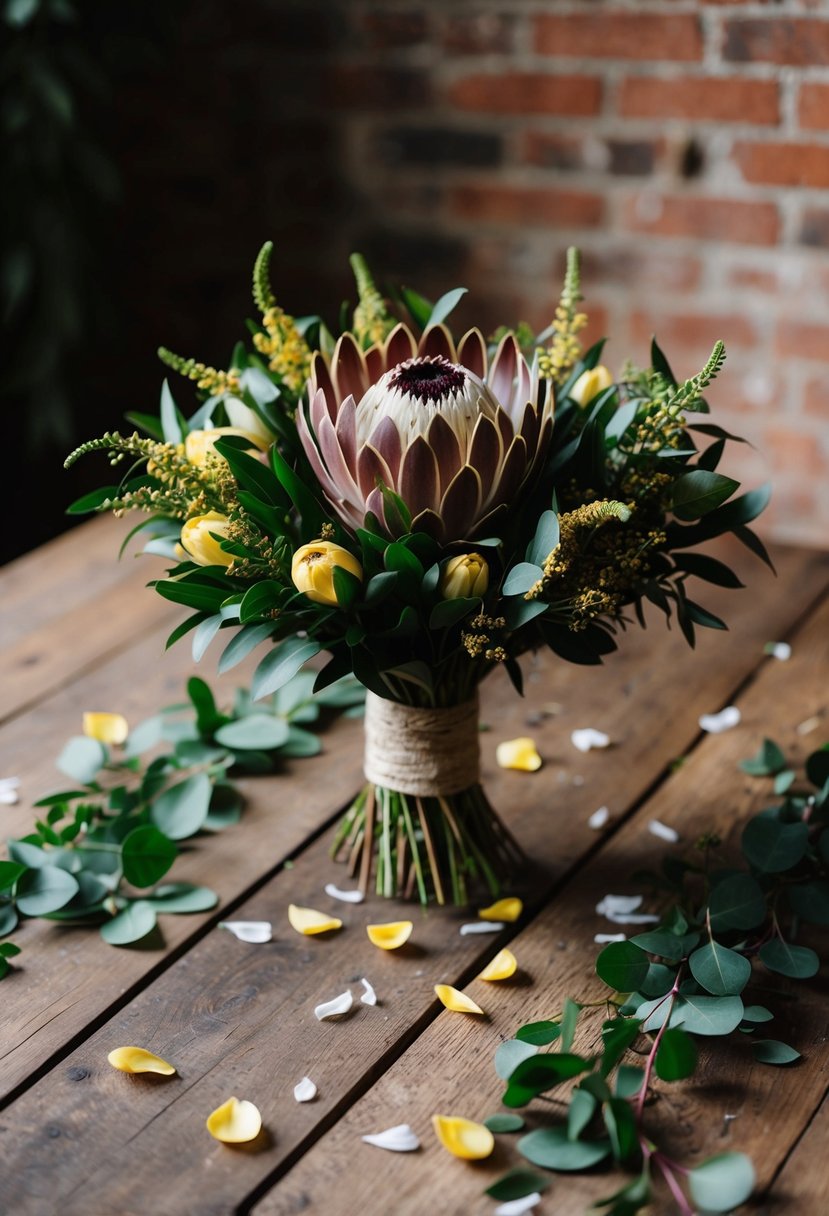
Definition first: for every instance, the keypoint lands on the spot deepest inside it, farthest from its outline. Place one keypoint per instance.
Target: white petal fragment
(481, 926)
(598, 819)
(369, 997)
(348, 897)
(621, 910)
(8, 790)
(663, 831)
(255, 931)
(585, 739)
(779, 650)
(332, 1009)
(604, 939)
(305, 1090)
(517, 1207)
(715, 724)
(400, 1139)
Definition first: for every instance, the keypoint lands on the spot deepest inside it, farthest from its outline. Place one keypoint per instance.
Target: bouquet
(422, 508)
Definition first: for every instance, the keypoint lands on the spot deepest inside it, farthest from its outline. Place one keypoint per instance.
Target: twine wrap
(427, 752)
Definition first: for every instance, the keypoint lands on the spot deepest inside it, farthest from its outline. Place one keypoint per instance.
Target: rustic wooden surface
(77, 1137)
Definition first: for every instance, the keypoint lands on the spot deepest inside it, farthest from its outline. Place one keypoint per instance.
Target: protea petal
(371, 469)
(320, 409)
(374, 504)
(346, 428)
(437, 343)
(419, 477)
(444, 443)
(461, 503)
(375, 363)
(348, 368)
(386, 439)
(530, 427)
(486, 450)
(321, 379)
(472, 353)
(400, 346)
(503, 371)
(514, 470)
(431, 523)
(341, 474)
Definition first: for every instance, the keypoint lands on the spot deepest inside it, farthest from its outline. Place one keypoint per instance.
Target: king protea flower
(456, 437)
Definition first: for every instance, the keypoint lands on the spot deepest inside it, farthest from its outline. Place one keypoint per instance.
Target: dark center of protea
(428, 379)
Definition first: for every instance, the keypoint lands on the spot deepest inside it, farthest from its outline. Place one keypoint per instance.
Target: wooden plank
(803, 1184)
(449, 1069)
(251, 1030)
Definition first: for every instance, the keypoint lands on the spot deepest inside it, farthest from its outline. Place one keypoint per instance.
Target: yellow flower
(464, 577)
(590, 384)
(313, 566)
(106, 728)
(198, 537)
(199, 445)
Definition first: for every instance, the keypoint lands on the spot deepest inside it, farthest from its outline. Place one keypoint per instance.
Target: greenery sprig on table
(685, 978)
(100, 850)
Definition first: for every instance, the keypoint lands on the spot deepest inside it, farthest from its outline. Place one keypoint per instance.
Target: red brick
(507, 205)
(693, 331)
(708, 98)
(713, 219)
(621, 157)
(636, 269)
(801, 41)
(814, 106)
(784, 164)
(479, 34)
(795, 451)
(816, 397)
(619, 35)
(803, 340)
(528, 93)
(814, 228)
(750, 276)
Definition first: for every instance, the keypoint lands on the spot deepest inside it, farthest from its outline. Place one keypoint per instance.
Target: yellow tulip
(313, 566)
(462, 1137)
(590, 384)
(198, 537)
(106, 728)
(464, 577)
(198, 445)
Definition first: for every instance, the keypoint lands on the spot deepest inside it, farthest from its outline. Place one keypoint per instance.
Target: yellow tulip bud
(464, 577)
(199, 445)
(590, 384)
(198, 537)
(313, 566)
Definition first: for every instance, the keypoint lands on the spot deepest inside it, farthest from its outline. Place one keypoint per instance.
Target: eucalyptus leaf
(710, 1015)
(539, 1033)
(82, 759)
(182, 897)
(257, 732)
(772, 1051)
(510, 1054)
(281, 664)
(502, 1124)
(550, 1148)
(722, 1182)
(44, 890)
(130, 925)
(182, 809)
(772, 846)
(797, 962)
(146, 855)
(720, 971)
(737, 903)
(676, 1057)
(623, 966)
(517, 1183)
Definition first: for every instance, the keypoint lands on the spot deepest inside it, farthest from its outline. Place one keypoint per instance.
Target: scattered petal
(503, 909)
(333, 1008)
(517, 1207)
(663, 831)
(308, 921)
(806, 727)
(457, 1002)
(482, 926)
(400, 1139)
(462, 1137)
(106, 728)
(599, 818)
(138, 1059)
(502, 967)
(390, 936)
(348, 897)
(585, 739)
(8, 790)
(305, 1090)
(778, 650)
(603, 939)
(632, 918)
(621, 910)
(255, 931)
(235, 1122)
(369, 997)
(715, 724)
(520, 754)
(9, 783)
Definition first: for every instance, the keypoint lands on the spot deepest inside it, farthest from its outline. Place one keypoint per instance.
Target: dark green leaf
(521, 578)
(676, 1057)
(582, 1108)
(772, 846)
(810, 900)
(146, 855)
(707, 568)
(699, 491)
(770, 759)
(550, 1148)
(617, 1037)
(772, 1051)
(817, 767)
(798, 962)
(720, 971)
(737, 903)
(539, 1033)
(516, 1184)
(666, 945)
(620, 1122)
(449, 612)
(622, 966)
(543, 1072)
(278, 667)
(10, 871)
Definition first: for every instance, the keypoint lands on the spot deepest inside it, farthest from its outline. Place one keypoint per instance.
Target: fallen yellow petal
(308, 921)
(235, 1122)
(136, 1059)
(518, 753)
(502, 967)
(458, 1002)
(106, 728)
(391, 935)
(503, 909)
(462, 1137)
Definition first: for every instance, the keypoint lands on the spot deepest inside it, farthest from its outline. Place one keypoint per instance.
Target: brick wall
(683, 145)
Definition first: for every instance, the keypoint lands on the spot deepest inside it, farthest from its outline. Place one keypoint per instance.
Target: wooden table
(76, 1137)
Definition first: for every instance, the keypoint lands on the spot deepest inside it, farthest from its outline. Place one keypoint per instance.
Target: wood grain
(802, 1186)
(239, 1019)
(449, 1068)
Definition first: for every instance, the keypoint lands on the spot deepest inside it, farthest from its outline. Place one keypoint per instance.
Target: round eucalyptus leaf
(772, 1051)
(45, 890)
(658, 981)
(757, 1014)
(539, 1033)
(720, 971)
(300, 743)
(798, 962)
(517, 1182)
(737, 903)
(8, 918)
(623, 966)
(722, 1182)
(146, 855)
(182, 809)
(677, 1055)
(182, 897)
(710, 1015)
(550, 1148)
(256, 732)
(772, 846)
(504, 1123)
(810, 900)
(130, 925)
(82, 758)
(27, 854)
(509, 1055)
